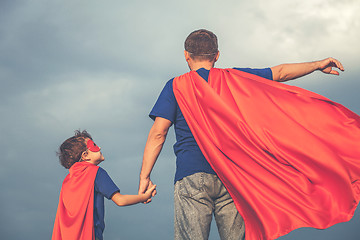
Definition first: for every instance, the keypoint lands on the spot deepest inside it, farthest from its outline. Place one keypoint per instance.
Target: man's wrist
(144, 176)
(317, 65)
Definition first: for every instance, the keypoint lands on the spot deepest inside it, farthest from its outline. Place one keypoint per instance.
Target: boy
(80, 213)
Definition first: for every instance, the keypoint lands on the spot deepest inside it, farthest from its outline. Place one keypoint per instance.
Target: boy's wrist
(144, 197)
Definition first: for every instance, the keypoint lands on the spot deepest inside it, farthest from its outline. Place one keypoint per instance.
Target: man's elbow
(159, 136)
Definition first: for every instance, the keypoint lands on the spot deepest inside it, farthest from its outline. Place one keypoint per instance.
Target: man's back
(190, 159)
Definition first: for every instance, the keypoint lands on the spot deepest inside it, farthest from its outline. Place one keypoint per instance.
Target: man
(198, 192)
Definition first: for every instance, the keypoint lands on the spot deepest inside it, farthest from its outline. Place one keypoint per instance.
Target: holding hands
(126, 200)
(147, 187)
(149, 193)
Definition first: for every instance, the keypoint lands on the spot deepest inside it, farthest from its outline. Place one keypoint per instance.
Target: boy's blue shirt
(189, 158)
(104, 187)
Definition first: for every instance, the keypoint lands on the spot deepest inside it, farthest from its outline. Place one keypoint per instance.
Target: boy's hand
(150, 193)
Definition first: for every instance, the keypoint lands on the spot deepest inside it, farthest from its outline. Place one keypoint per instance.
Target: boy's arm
(126, 200)
(285, 72)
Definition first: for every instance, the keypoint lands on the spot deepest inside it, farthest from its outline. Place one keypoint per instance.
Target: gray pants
(196, 198)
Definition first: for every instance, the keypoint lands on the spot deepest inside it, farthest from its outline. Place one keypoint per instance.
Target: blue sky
(100, 65)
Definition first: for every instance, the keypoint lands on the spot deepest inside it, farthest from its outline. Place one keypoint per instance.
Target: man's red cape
(290, 158)
(75, 214)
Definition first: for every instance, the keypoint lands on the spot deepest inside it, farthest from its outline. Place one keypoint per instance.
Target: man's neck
(197, 65)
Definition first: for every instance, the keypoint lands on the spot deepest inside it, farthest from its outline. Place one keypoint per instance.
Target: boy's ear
(84, 155)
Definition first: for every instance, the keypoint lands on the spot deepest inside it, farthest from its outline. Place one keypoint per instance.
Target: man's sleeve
(261, 72)
(166, 105)
(104, 184)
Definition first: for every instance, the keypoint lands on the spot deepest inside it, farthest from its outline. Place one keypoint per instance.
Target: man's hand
(145, 185)
(326, 66)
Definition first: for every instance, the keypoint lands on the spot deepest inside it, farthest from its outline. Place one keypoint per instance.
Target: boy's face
(93, 154)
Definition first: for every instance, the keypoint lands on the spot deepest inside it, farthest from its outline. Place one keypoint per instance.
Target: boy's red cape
(75, 214)
(290, 158)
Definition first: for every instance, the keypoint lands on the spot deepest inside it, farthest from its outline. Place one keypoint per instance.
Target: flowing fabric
(290, 158)
(75, 214)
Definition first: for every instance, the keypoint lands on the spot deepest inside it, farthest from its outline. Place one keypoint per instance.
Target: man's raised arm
(290, 71)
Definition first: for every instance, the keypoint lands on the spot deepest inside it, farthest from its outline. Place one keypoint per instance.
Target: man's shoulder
(262, 72)
(170, 82)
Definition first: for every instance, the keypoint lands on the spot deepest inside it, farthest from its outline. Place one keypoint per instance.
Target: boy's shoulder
(104, 184)
(102, 175)
(101, 171)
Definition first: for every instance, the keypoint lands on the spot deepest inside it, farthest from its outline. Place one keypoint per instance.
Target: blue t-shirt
(104, 187)
(189, 158)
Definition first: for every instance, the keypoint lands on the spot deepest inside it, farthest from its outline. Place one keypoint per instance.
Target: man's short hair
(202, 45)
(70, 151)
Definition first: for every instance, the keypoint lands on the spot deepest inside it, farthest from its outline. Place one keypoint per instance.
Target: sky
(100, 66)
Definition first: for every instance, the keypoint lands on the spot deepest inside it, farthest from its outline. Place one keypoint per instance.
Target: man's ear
(217, 56)
(187, 55)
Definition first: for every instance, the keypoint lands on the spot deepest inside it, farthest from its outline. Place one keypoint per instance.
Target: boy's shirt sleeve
(166, 105)
(104, 184)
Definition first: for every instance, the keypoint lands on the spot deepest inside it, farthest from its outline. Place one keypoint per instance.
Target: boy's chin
(99, 161)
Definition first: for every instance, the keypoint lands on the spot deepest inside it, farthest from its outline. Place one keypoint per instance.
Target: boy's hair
(202, 45)
(70, 151)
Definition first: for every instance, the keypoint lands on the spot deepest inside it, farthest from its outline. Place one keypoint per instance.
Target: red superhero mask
(92, 146)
